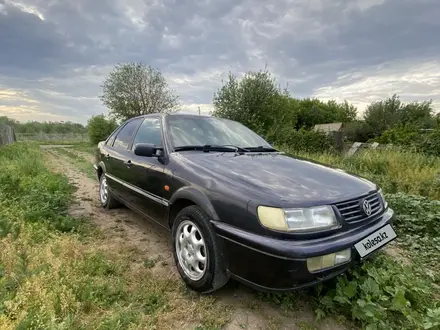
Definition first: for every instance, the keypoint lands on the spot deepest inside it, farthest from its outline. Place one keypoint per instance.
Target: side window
(125, 134)
(111, 139)
(149, 132)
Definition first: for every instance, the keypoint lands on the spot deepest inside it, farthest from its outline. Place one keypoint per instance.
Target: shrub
(401, 135)
(358, 131)
(412, 138)
(430, 143)
(303, 140)
(99, 128)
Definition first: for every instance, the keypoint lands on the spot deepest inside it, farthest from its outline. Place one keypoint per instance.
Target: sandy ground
(124, 227)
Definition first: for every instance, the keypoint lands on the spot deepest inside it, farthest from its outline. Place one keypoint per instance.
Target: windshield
(194, 130)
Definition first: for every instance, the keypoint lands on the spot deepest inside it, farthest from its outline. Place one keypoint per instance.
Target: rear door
(116, 159)
(148, 175)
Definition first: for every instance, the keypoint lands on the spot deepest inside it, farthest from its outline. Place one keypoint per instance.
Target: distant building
(329, 128)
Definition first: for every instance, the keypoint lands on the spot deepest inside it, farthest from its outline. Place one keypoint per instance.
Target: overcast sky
(54, 54)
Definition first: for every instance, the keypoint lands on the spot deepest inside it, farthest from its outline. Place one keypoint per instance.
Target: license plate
(375, 240)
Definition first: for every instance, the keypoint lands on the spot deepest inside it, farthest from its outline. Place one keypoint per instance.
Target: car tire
(201, 242)
(108, 201)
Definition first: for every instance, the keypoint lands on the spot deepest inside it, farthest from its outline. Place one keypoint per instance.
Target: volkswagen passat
(238, 208)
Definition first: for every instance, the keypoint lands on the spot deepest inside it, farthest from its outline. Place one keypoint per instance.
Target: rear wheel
(197, 251)
(105, 196)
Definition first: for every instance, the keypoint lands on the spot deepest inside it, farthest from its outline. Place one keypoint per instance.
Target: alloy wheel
(103, 190)
(191, 250)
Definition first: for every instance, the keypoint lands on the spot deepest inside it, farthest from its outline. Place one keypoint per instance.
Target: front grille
(352, 210)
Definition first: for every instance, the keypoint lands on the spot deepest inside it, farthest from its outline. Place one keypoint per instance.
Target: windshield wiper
(208, 147)
(261, 149)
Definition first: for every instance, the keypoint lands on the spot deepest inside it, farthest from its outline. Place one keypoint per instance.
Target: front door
(116, 160)
(148, 175)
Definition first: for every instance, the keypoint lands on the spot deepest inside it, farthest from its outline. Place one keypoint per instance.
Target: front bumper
(272, 264)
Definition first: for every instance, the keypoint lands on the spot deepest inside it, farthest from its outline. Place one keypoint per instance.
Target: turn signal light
(328, 261)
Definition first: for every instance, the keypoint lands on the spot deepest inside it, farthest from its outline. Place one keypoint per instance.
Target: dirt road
(125, 229)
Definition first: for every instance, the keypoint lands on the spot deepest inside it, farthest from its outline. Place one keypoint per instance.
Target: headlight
(385, 203)
(297, 220)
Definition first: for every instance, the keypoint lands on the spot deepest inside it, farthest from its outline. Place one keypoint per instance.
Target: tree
(255, 101)
(390, 113)
(358, 131)
(134, 89)
(383, 115)
(314, 111)
(99, 128)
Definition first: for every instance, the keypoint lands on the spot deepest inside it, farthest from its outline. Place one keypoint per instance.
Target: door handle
(128, 163)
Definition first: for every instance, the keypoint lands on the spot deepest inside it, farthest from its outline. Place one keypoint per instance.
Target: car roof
(171, 115)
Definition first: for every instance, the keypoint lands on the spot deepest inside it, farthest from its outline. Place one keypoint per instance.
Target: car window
(149, 132)
(112, 137)
(195, 130)
(125, 134)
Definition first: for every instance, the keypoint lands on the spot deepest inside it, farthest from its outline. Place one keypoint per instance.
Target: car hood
(275, 176)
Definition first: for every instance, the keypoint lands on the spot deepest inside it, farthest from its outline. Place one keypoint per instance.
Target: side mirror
(146, 149)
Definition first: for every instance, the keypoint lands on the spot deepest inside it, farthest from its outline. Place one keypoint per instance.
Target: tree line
(35, 127)
(259, 102)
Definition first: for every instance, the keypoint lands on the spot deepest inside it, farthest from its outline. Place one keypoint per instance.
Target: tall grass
(394, 171)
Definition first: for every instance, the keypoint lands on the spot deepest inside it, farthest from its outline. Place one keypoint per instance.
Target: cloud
(57, 53)
(412, 80)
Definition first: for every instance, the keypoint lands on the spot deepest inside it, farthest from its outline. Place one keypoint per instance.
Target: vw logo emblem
(366, 206)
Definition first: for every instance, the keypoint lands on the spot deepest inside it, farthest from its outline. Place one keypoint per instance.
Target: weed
(150, 263)
(306, 326)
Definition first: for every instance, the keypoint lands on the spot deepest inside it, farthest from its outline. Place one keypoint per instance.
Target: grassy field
(56, 271)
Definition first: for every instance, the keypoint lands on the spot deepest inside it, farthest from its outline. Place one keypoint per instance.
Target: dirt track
(127, 229)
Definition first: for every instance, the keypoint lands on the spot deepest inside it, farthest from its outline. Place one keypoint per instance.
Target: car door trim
(142, 192)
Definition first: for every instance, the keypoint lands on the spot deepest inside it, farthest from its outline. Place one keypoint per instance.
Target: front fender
(102, 166)
(197, 197)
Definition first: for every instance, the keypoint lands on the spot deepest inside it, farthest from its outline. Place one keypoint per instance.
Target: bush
(401, 135)
(413, 138)
(99, 128)
(358, 131)
(430, 143)
(303, 140)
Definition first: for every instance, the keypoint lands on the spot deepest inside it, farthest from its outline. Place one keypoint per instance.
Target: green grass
(57, 273)
(81, 163)
(85, 147)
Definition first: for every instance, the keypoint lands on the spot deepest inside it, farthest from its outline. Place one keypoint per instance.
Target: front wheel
(197, 252)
